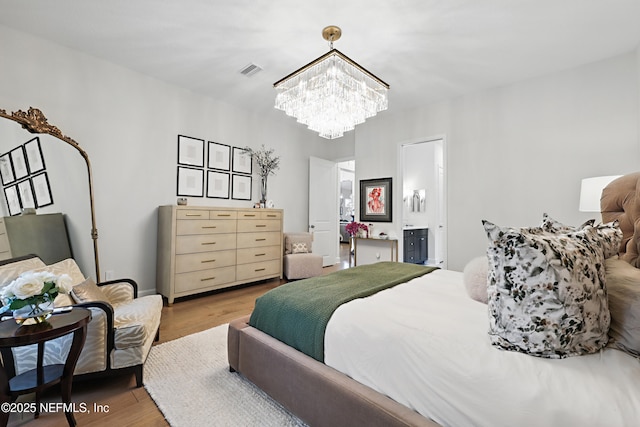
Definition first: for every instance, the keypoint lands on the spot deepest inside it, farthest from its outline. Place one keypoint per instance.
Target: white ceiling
(426, 50)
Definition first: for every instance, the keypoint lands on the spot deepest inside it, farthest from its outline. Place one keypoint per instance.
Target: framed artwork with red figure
(375, 200)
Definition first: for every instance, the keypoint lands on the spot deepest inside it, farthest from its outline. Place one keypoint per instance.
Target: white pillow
(475, 278)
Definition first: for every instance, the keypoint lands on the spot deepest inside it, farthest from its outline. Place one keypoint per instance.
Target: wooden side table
(42, 377)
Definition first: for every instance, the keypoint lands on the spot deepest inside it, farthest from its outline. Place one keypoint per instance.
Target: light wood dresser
(205, 248)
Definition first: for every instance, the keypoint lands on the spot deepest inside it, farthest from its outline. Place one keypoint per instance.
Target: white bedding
(424, 344)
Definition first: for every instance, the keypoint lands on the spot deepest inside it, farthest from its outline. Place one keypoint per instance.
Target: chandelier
(332, 94)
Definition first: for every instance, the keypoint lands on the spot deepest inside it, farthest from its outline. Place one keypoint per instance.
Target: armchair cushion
(66, 266)
(134, 323)
(88, 291)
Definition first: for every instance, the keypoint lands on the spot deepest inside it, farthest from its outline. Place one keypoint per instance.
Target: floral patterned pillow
(546, 291)
(609, 234)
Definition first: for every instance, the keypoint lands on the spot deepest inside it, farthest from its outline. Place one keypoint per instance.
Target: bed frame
(316, 393)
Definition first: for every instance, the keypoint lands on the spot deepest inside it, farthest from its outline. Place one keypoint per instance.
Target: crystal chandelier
(332, 94)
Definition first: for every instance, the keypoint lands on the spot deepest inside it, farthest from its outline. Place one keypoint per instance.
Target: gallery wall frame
(13, 199)
(190, 151)
(241, 187)
(218, 185)
(376, 201)
(242, 162)
(6, 169)
(42, 190)
(219, 156)
(25, 190)
(19, 162)
(190, 182)
(33, 152)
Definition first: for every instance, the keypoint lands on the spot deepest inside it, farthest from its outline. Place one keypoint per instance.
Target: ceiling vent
(250, 70)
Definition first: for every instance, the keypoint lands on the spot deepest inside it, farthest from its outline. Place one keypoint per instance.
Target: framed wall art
(6, 169)
(190, 182)
(241, 161)
(42, 190)
(190, 151)
(219, 156)
(25, 189)
(13, 200)
(375, 200)
(217, 185)
(33, 152)
(241, 187)
(19, 162)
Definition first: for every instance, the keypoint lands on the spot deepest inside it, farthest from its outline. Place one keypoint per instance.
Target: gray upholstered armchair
(299, 260)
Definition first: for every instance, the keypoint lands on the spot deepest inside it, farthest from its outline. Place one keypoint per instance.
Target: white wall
(128, 123)
(517, 151)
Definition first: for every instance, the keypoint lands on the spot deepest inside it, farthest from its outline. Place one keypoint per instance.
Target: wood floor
(116, 401)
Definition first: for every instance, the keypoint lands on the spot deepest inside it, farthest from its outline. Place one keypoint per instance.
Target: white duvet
(424, 344)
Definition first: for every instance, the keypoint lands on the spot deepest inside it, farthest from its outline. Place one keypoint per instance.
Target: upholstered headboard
(621, 200)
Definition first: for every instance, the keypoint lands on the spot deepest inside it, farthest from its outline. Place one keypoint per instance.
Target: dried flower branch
(267, 162)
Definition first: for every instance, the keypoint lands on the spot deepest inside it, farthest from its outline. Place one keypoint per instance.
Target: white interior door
(323, 209)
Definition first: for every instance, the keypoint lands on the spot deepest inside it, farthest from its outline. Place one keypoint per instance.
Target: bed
(417, 354)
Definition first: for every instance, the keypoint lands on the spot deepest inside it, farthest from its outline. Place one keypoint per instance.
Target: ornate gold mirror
(35, 122)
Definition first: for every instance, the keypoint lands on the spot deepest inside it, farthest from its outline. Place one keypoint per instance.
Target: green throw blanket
(297, 313)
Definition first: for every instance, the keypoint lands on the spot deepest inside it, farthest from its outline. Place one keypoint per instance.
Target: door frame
(440, 231)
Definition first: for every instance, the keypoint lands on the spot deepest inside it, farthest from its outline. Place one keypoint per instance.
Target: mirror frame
(34, 121)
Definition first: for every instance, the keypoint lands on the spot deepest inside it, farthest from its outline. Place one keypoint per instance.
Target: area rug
(189, 380)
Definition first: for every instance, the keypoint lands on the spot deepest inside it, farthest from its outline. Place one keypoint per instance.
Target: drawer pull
(210, 226)
(209, 243)
(260, 240)
(261, 225)
(259, 269)
(193, 214)
(207, 278)
(260, 254)
(223, 214)
(271, 215)
(207, 260)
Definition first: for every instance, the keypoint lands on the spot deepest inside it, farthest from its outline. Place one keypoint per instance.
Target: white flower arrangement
(34, 288)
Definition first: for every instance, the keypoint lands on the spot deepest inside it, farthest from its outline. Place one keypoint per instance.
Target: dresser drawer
(223, 215)
(192, 214)
(251, 240)
(257, 269)
(204, 279)
(265, 253)
(250, 225)
(260, 214)
(205, 214)
(206, 243)
(205, 226)
(204, 261)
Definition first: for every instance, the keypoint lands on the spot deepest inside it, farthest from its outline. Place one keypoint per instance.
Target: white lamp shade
(591, 191)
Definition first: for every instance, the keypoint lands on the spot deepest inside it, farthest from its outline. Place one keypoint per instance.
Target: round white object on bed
(475, 278)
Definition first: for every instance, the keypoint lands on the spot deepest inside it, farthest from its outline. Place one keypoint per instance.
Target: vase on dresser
(263, 191)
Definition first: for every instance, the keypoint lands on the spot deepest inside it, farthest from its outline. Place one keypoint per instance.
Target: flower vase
(33, 314)
(263, 191)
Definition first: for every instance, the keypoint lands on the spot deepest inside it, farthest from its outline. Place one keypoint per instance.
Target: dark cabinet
(415, 246)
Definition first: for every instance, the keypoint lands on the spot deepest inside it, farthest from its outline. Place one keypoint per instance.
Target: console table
(43, 376)
(368, 250)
